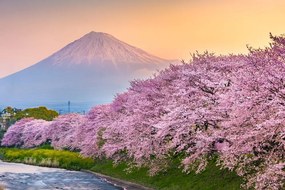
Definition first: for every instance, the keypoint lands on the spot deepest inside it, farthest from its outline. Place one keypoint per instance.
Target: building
(7, 117)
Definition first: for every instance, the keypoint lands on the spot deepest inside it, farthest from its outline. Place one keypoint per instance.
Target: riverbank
(119, 182)
(44, 177)
(17, 176)
(171, 179)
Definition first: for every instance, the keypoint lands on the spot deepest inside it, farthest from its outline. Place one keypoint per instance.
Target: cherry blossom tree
(231, 107)
(13, 137)
(35, 133)
(90, 134)
(64, 129)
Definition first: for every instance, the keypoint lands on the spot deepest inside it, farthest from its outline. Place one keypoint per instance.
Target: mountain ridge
(93, 68)
(99, 46)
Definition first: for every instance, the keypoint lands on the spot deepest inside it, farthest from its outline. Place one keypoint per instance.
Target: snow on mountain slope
(97, 47)
(93, 68)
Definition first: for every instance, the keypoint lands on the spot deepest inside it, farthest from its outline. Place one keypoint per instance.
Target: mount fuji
(91, 69)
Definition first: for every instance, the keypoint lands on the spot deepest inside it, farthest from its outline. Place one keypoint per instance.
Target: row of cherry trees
(231, 106)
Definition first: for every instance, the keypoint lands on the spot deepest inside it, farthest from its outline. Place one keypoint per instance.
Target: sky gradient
(31, 30)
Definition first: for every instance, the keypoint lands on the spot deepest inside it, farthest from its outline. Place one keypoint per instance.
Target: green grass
(47, 157)
(172, 179)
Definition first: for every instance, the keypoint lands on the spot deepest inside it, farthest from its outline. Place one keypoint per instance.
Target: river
(14, 176)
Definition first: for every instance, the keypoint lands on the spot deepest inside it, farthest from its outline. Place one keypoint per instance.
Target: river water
(15, 176)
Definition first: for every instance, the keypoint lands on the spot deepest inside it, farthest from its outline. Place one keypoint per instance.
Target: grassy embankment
(172, 179)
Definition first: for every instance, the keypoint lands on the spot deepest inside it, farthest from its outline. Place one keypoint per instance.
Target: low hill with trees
(37, 113)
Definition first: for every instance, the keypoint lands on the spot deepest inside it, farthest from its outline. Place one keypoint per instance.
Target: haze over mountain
(91, 69)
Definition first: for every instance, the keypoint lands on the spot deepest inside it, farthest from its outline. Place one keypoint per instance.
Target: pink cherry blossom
(231, 106)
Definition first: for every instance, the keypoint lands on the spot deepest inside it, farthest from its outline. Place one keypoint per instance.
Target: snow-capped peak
(101, 47)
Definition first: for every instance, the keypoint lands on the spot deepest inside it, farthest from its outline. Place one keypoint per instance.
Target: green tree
(37, 113)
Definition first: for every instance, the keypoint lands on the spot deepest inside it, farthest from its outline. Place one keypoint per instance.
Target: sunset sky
(31, 30)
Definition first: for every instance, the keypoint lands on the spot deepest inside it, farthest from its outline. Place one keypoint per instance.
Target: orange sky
(31, 30)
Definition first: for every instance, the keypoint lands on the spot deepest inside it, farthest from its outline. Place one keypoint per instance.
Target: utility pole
(68, 106)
